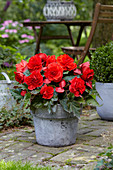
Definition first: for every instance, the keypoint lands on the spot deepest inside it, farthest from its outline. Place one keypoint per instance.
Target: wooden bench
(102, 14)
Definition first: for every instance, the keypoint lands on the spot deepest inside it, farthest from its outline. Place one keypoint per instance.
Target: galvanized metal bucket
(105, 91)
(55, 129)
(6, 99)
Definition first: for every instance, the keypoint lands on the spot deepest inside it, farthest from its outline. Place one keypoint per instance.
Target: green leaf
(92, 101)
(80, 100)
(36, 91)
(66, 72)
(68, 78)
(63, 103)
(100, 163)
(49, 108)
(22, 86)
(71, 96)
(46, 103)
(27, 100)
(54, 108)
(27, 73)
(16, 93)
(75, 108)
(37, 102)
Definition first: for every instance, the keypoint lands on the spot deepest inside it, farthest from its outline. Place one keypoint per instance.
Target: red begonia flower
(84, 65)
(34, 80)
(35, 63)
(50, 59)
(43, 57)
(87, 74)
(77, 86)
(66, 62)
(22, 66)
(47, 92)
(54, 72)
(23, 92)
(19, 76)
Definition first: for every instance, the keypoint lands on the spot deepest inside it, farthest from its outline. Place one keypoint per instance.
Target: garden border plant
(105, 161)
(102, 64)
(13, 165)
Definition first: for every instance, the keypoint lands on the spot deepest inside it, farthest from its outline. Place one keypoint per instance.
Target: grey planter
(106, 92)
(6, 99)
(55, 129)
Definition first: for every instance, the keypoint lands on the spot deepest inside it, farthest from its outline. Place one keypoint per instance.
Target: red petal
(44, 68)
(62, 83)
(77, 72)
(59, 89)
(89, 83)
(86, 64)
(47, 81)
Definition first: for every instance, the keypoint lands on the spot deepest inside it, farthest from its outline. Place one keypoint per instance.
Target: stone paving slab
(93, 137)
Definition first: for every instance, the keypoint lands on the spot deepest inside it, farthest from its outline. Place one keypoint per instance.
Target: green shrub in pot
(102, 64)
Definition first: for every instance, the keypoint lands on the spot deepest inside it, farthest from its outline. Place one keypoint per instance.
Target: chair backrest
(102, 14)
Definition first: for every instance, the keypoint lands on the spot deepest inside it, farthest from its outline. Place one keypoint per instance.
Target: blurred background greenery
(20, 10)
(16, 36)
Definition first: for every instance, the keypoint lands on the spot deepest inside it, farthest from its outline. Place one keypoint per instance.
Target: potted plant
(102, 64)
(54, 89)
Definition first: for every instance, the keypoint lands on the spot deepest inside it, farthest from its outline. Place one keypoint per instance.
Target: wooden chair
(102, 14)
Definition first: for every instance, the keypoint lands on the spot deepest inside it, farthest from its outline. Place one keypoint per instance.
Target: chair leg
(89, 55)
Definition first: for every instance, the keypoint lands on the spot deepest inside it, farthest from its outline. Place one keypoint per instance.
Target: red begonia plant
(46, 81)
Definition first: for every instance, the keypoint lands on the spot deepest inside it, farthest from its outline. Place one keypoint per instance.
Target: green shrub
(9, 55)
(102, 63)
(15, 117)
(106, 162)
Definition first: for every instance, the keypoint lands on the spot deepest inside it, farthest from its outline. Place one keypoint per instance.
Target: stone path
(94, 136)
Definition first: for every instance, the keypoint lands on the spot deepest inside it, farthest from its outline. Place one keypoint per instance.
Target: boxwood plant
(102, 63)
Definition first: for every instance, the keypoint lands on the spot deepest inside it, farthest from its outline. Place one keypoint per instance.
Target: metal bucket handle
(7, 78)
